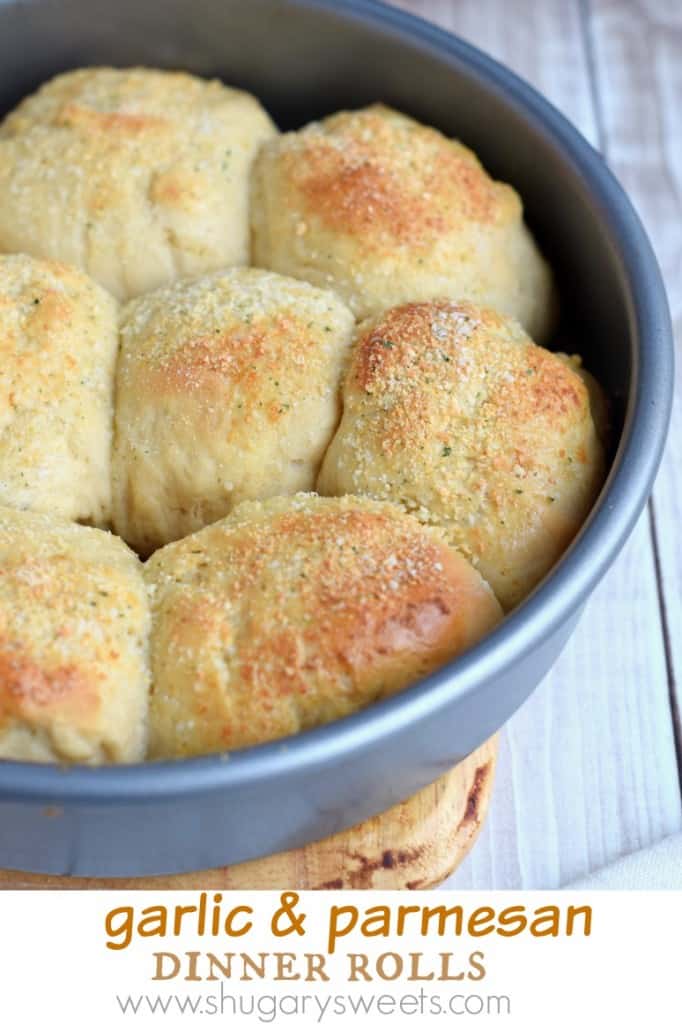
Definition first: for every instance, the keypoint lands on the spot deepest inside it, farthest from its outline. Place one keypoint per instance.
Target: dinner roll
(137, 176)
(227, 388)
(451, 410)
(386, 210)
(58, 341)
(297, 611)
(74, 625)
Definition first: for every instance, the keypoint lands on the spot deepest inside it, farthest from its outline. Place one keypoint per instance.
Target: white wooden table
(591, 767)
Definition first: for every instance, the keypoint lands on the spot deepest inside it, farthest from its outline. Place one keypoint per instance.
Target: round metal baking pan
(306, 58)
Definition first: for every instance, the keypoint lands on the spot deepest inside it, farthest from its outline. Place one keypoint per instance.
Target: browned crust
(361, 602)
(358, 174)
(35, 692)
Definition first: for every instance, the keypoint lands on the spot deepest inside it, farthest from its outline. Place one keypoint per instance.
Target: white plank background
(589, 768)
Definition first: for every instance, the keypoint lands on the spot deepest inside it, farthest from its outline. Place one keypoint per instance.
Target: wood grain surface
(413, 846)
(589, 768)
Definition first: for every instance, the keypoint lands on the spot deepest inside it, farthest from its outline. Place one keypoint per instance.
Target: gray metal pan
(305, 58)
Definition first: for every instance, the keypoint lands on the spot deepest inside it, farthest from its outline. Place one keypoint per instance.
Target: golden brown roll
(74, 625)
(451, 410)
(227, 389)
(136, 176)
(297, 611)
(385, 210)
(58, 341)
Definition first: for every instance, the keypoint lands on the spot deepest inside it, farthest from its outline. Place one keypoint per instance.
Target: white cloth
(656, 867)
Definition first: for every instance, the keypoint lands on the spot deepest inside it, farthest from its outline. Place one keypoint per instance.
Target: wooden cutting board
(414, 845)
